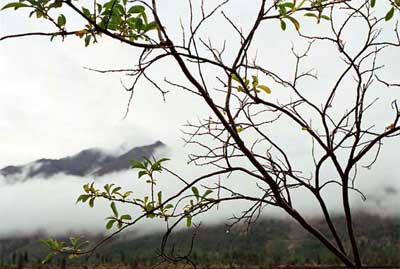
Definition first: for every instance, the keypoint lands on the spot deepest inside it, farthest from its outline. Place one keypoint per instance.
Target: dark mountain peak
(89, 155)
(43, 160)
(92, 161)
(88, 152)
(158, 143)
(11, 169)
(123, 161)
(139, 153)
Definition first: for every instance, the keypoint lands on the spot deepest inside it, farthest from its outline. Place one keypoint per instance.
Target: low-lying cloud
(49, 204)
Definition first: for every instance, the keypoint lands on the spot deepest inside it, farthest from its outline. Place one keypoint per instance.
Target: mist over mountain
(88, 162)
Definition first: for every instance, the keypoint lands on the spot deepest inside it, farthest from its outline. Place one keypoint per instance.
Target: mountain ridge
(88, 162)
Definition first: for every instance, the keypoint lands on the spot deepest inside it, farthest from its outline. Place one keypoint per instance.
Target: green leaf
(288, 4)
(92, 189)
(156, 166)
(107, 188)
(83, 198)
(86, 12)
(86, 188)
(235, 77)
(151, 26)
(372, 3)
(188, 220)
(159, 196)
(163, 160)
(87, 40)
(99, 8)
(195, 191)
(139, 24)
(72, 256)
(283, 25)
(39, 14)
(61, 20)
(309, 14)
(136, 9)
(91, 202)
(126, 194)
(119, 9)
(132, 23)
(56, 4)
(15, 5)
(116, 190)
(82, 244)
(52, 37)
(255, 81)
(114, 209)
(107, 6)
(239, 129)
(325, 17)
(126, 217)
(390, 14)
(74, 240)
(264, 88)
(282, 10)
(110, 224)
(142, 173)
(48, 257)
(137, 164)
(295, 22)
(168, 206)
(207, 193)
(144, 16)
(49, 243)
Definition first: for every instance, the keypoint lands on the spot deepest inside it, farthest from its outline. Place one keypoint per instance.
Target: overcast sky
(50, 106)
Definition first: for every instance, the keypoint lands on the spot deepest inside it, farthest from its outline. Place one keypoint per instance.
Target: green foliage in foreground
(116, 17)
(151, 206)
(126, 21)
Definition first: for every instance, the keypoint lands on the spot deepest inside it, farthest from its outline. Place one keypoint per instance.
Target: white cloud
(49, 204)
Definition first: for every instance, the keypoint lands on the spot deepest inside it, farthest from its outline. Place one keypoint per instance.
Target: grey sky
(51, 107)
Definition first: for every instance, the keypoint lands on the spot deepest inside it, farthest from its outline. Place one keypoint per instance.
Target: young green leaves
(15, 5)
(389, 14)
(318, 16)
(119, 220)
(201, 199)
(292, 20)
(72, 248)
(148, 167)
(286, 9)
(255, 86)
(130, 22)
(152, 208)
(116, 16)
(395, 5)
(61, 21)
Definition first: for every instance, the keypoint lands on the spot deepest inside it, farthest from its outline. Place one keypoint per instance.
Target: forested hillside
(270, 241)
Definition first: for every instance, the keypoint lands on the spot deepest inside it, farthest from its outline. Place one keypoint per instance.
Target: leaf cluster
(73, 247)
(116, 16)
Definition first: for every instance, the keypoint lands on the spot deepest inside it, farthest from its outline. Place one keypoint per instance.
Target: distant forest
(270, 241)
